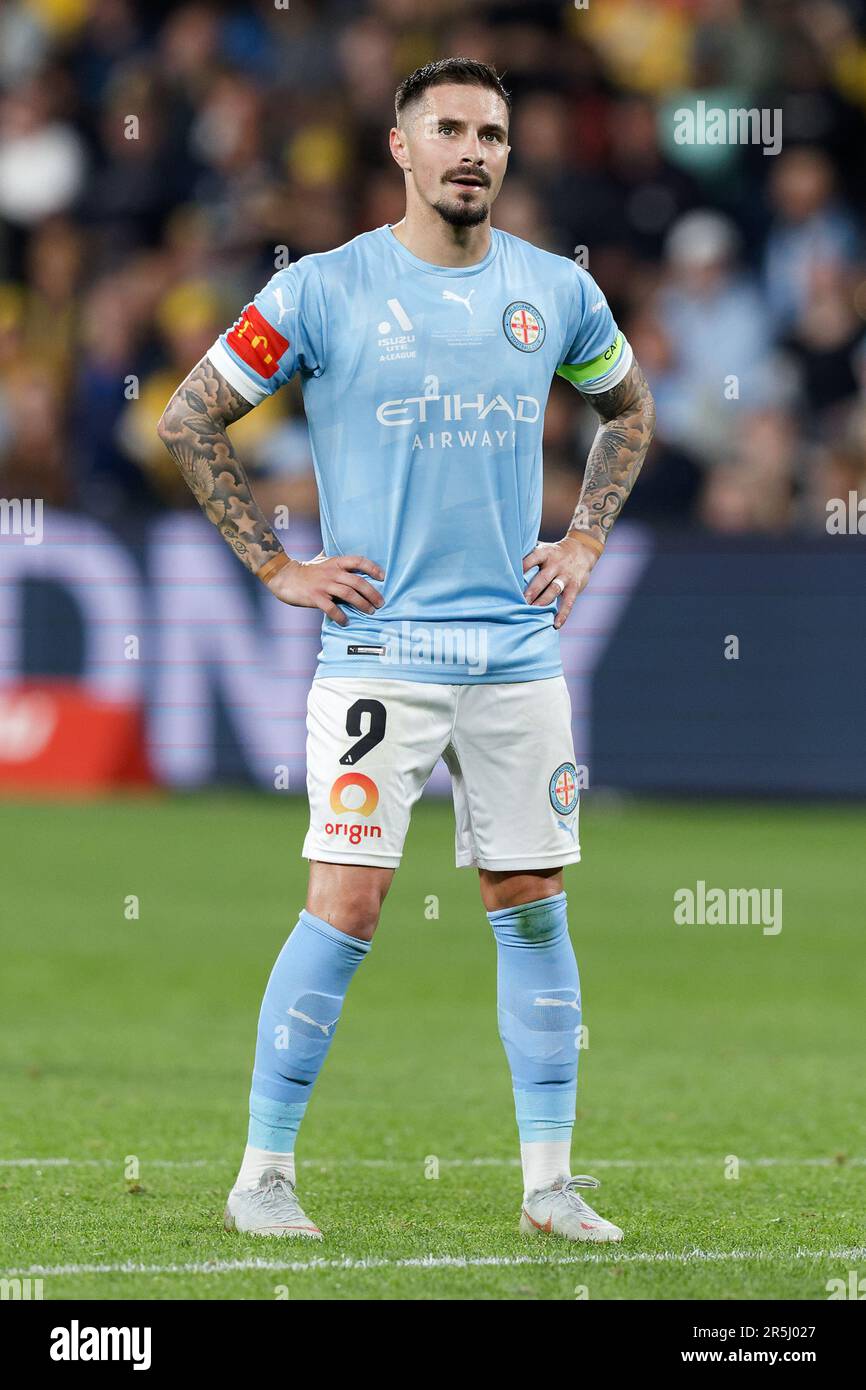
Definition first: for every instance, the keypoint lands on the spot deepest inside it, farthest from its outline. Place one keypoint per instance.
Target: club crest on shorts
(524, 326)
(564, 791)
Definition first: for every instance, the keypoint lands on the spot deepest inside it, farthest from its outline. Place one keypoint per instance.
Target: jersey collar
(456, 271)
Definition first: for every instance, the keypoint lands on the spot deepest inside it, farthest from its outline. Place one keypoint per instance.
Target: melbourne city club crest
(524, 326)
(564, 792)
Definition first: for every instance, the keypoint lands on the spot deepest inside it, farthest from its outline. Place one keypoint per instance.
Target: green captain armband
(588, 372)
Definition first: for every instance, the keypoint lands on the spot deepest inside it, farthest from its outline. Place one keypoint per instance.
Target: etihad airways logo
(423, 410)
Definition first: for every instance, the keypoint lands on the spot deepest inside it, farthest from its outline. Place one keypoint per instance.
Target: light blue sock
(539, 1015)
(297, 1021)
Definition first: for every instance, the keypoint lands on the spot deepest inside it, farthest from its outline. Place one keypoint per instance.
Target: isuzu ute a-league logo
(396, 345)
(524, 326)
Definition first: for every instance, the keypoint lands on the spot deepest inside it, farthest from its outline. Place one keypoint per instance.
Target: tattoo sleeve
(193, 429)
(627, 422)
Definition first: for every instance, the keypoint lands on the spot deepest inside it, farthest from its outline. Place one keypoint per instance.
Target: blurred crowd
(156, 159)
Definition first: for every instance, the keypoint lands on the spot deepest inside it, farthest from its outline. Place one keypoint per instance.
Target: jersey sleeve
(597, 356)
(283, 331)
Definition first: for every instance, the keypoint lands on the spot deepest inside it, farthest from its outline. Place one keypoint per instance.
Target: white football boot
(560, 1210)
(271, 1209)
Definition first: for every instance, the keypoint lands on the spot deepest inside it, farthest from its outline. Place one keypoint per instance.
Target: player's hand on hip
(326, 581)
(564, 568)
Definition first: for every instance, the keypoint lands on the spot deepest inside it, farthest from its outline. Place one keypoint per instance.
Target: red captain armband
(257, 343)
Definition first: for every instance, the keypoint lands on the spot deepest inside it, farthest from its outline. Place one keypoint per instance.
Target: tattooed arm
(193, 428)
(627, 422)
(627, 416)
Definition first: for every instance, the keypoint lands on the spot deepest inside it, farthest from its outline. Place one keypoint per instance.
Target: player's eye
(445, 129)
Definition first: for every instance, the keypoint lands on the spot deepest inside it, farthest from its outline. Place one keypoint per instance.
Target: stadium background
(135, 651)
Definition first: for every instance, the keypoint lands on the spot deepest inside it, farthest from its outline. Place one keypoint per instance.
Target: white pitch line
(693, 1161)
(315, 1265)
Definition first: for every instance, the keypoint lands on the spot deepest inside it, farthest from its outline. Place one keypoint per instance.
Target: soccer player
(426, 350)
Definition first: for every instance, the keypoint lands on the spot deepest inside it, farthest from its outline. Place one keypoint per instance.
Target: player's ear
(397, 143)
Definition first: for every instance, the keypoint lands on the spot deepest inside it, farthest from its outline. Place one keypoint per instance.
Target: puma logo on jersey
(595, 308)
(449, 294)
(283, 308)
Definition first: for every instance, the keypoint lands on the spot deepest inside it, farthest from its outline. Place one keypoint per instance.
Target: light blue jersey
(424, 389)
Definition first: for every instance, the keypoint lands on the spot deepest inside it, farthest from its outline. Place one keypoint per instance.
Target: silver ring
(560, 584)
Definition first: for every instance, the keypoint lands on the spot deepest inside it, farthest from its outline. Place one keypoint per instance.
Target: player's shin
(539, 1023)
(297, 1021)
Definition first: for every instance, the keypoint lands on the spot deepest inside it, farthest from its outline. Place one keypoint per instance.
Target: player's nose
(473, 148)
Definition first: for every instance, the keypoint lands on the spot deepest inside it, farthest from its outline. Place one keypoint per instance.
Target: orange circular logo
(364, 792)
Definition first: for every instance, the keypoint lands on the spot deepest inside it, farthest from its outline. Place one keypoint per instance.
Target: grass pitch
(127, 1044)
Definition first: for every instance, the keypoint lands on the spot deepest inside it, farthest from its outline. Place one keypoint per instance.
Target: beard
(462, 214)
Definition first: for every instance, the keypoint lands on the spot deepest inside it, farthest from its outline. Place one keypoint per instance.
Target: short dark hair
(464, 71)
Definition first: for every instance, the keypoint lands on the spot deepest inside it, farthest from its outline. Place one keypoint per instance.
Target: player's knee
(511, 889)
(350, 899)
(359, 924)
(356, 915)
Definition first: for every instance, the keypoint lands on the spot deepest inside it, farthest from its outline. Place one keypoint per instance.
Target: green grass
(135, 1037)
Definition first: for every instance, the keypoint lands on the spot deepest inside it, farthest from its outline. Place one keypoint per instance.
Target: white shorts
(372, 745)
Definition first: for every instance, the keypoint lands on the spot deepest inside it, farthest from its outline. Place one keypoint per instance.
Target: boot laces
(572, 1195)
(275, 1194)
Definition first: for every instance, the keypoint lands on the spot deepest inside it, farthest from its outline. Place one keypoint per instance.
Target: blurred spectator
(34, 430)
(719, 338)
(42, 159)
(645, 48)
(823, 342)
(810, 229)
